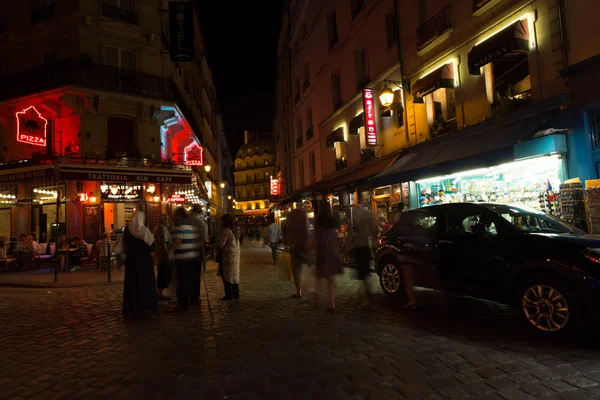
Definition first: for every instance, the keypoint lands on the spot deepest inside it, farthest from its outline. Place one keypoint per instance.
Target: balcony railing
(119, 13)
(251, 198)
(434, 28)
(130, 153)
(98, 76)
(42, 13)
(252, 182)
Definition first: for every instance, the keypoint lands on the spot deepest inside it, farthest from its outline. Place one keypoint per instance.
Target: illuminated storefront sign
(194, 155)
(113, 193)
(274, 187)
(369, 113)
(177, 198)
(208, 186)
(31, 127)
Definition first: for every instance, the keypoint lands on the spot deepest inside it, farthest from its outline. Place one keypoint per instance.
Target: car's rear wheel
(550, 306)
(391, 279)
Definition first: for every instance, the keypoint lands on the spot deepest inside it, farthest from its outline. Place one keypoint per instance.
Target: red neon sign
(194, 154)
(274, 187)
(31, 127)
(370, 125)
(177, 198)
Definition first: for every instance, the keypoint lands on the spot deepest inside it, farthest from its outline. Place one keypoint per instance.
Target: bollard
(108, 263)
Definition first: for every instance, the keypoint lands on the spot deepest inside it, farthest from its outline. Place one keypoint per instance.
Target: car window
(469, 222)
(418, 223)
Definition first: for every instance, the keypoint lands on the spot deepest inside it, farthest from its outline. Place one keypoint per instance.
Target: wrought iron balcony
(119, 13)
(434, 28)
(98, 76)
(40, 14)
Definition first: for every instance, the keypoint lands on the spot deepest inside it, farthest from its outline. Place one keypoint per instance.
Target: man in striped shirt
(186, 251)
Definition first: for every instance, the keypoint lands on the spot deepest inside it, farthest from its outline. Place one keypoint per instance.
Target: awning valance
(442, 77)
(356, 123)
(513, 38)
(335, 136)
(119, 174)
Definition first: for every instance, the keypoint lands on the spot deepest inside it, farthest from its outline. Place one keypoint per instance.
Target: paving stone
(515, 394)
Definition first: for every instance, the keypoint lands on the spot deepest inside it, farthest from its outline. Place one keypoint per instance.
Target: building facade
(254, 169)
(96, 121)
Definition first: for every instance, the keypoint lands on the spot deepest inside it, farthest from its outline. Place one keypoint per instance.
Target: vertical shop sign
(181, 30)
(31, 127)
(274, 187)
(369, 113)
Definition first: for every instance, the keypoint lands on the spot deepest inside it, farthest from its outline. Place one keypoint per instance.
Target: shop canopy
(356, 123)
(442, 77)
(513, 38)
(478, 146)
(335, 136)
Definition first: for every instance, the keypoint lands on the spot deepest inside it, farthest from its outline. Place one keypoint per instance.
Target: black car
(504, 253)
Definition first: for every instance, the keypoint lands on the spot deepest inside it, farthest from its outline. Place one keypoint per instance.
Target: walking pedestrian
(162, 238)
(297, 238)
(329, 259)
(202, 230)
(186, 251)
(363, 227)
(139, 288)
(228, 246)
(274, 236)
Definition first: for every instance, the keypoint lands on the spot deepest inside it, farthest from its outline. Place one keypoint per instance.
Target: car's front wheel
(550, 306)
(391, 279)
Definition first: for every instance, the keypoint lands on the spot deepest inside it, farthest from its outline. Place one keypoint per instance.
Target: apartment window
(303, 31)
(297, 95)
(118, 58)
(119, 9)
(45, 10)
(340, 155)
(441, 111)
(391, 29)
(126, 4)
(313, 168)
(309, 124)
(332, 31)
(301, 172)
(361, 68)
(121, 136)
(336, 91)
(356, 6)
(306, 83)
(49, 57)
(299, 132)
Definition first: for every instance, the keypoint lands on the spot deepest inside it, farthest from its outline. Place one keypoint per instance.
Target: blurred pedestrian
(363, 227)
(399, 208)
(228, 246)
(297, 238)
(162, 238)
(139, 288)
(329, 259)
(202, 229)
(273, 237)
(186, 252)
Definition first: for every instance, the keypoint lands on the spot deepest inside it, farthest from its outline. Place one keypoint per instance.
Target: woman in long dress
(139, 288)
(229, 248)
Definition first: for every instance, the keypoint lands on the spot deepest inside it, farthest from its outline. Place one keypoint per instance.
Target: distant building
(254, 167)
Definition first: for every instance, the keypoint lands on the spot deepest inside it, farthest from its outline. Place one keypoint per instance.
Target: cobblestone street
(73, 343)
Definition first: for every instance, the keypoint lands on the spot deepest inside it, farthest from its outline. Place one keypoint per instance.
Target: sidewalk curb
(58, 285)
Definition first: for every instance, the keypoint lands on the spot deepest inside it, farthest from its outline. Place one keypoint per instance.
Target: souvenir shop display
(592, 205)
(572, 206)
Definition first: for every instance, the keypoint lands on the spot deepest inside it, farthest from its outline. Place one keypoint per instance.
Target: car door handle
(446, 242)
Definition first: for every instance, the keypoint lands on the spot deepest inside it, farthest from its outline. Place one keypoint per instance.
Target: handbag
(118, 246)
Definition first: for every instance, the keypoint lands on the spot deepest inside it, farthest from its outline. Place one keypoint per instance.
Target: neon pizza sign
(194, 154)
(31, 127)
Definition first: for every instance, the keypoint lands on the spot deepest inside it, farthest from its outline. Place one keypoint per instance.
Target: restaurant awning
(477, 146)
(356, 123)
(335, 136)
(110, 173)
(354, 177)
(442, 77)
(513, 38)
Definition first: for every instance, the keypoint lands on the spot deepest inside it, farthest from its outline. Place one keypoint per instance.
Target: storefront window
(519, 183)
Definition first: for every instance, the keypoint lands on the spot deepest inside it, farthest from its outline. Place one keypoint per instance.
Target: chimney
(246, 137)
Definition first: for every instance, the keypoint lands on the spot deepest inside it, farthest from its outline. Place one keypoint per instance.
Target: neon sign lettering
(194, 154)
(274, 187)
(31, 127)
(370, 125)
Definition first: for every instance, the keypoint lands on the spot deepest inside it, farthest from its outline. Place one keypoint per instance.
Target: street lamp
(386, 96)
(222, 185)
(207, 168)
(229, 197)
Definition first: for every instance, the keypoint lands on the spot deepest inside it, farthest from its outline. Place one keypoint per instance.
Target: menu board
(91, 223)
(573, 209)
(153, 214)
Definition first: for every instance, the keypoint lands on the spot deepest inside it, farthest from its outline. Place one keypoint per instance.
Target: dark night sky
(241, 42)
